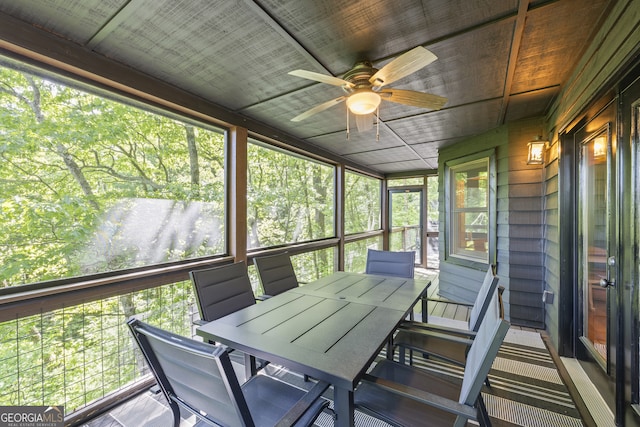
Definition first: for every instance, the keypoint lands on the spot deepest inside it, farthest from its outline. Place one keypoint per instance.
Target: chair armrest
(420, 326)
(263, 297)
(312, 399)
(200, 322)
(425, 397)
(447, 337)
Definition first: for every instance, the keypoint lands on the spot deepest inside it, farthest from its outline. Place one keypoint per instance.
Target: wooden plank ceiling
(498, 60)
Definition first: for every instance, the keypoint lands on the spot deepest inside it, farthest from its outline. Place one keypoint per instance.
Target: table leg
(249, 366)
(425, 313)
(343, 406)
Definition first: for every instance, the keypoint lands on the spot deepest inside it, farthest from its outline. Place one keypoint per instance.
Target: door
(628, 360)
(606, 240)
(597, 249)
(433, 226)
(406, 221)
(596, 240)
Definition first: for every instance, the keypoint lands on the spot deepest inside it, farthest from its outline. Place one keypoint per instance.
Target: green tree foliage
(91, 185)
(80, 171)
(362, 203)
(289, 198)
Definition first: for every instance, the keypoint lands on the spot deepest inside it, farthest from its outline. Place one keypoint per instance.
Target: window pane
(401, 182)
(91, 185)
(289, 198)
(469, 211)
(355, 253)
(362, 203)
(310, 266)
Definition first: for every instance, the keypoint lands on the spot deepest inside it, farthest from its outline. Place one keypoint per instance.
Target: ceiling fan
(364, 84)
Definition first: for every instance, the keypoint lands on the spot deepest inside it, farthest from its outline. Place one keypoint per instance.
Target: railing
(407, 238)
(67, 343)
(77, 355)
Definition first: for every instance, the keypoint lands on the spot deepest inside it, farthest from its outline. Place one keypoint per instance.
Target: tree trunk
(193, 159)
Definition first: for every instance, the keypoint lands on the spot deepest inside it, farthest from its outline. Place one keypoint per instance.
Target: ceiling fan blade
(364, 122)
(413, 98)
(318, 108)
(405, 64)
(322, 78)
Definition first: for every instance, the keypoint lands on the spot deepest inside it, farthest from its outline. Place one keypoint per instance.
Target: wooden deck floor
(441, 308)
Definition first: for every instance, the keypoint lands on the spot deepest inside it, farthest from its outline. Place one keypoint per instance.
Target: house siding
(519, 225)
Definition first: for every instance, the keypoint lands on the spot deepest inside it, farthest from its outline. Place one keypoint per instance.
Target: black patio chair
(199, 378)
(388, 263)
(396, 264)
(450, 344)
(403, 395)
(276, 274)
(223, 290)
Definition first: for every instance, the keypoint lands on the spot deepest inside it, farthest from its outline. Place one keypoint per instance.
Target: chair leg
(401, 355)
(390, 349)
(483, 415)
(306, 378)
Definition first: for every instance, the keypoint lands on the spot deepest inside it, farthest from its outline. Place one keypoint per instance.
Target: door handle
(606, 282)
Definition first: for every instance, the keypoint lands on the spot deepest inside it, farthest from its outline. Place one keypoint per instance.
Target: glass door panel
(433, 226)
(593, 249)
(405, 220)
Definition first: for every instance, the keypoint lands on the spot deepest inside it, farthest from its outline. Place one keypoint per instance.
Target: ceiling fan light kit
(363, 102)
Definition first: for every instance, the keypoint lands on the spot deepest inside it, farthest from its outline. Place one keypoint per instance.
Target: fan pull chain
(347, 124)
(378, 123)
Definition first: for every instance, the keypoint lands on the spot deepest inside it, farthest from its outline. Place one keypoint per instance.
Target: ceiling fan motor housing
(359, 75)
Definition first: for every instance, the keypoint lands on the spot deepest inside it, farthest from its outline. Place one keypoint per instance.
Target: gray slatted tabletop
(331, 329)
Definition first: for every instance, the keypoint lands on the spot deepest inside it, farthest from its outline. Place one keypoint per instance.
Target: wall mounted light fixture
(600, 146)
(537, 148)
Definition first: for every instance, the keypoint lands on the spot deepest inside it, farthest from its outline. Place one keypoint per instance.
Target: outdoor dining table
(331, 329)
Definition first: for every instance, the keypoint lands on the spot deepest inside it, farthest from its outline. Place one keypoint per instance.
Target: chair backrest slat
(222, 290)
(387, 263)
(276, 273)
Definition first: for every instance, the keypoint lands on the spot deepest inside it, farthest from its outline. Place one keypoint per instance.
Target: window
(290, 198)
(362, 203)
(355, 253)
(93, 185)
(405, 182)
(469, 213)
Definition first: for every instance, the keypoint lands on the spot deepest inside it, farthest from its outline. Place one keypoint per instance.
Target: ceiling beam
(118, 18)
(518, 33)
